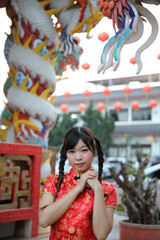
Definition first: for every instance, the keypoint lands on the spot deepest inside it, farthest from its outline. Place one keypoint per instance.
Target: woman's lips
(79, 164)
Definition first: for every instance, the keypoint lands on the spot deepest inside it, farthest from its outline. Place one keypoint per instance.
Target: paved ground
(114, 235)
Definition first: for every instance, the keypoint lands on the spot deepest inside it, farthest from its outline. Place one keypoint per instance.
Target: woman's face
(80, 158)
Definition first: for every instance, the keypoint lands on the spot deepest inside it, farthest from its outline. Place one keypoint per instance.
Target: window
(121, 115)
(145, 150)
(121, 150)
(118, 151)
(141, 114)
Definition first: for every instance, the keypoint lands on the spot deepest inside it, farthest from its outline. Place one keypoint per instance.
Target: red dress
(75, 224)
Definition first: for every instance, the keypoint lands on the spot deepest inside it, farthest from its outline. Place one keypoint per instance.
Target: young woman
(78, 205)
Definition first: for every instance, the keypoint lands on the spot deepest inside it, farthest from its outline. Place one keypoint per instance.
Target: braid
(61, 173)
(100, 159)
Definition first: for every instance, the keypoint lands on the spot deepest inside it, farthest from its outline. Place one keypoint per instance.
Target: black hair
(70, 141)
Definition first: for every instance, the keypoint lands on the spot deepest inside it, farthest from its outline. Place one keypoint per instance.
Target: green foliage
(63, 124)
(128, 138)
(138, 197)
(122, 195)
(101, 125)
(137, 174)
(120, 208)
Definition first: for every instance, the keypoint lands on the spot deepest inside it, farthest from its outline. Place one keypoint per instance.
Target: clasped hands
(89, 179)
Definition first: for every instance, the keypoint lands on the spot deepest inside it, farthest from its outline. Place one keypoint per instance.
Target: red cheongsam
(75, 224)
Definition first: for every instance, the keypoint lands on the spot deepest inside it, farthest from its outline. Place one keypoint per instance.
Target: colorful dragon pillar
(37, 50)
(30, 52)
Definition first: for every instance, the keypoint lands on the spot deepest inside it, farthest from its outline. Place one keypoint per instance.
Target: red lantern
(65, 69)
(158, 57)
(133, 60)
(86, 93)
(82, 107)
(106, 91)
(127, 90)
(135, 105)
(147, 88)
(64, 108)
(101, 106)
(67, 94)
(134, 32)
(118, 106)
(111, 64)
(153, 103)
(77, 39)
(103, 36)
(85, 66)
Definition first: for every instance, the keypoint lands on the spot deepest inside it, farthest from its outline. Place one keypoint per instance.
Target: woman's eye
(70, 151)
(85, 150)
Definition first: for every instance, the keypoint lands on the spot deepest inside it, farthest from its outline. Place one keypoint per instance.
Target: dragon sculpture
(42, 43)
(128, 17)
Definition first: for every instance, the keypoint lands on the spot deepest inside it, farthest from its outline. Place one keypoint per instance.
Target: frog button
(71, 229)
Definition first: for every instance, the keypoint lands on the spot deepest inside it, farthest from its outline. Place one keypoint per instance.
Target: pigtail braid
(100, 159)
(61, 173)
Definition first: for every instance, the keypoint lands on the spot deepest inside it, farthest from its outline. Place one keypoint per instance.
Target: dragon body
(42, 43)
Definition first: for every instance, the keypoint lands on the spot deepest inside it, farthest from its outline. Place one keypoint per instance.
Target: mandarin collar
(75, 175)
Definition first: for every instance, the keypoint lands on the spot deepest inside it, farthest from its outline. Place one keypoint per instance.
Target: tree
(63, 124)
(139, 196)
(102, 125)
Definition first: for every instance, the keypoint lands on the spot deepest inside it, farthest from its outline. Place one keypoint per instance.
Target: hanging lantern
(118, 106)
(153, 103)
(110, 65)
(127, 90)
(135, 105)
(134, 32)
(103, 36)
(65, 69)
(82, 107)
(158, 57)
(77, 39)
(67, 94)
(133, 60)
(85, 66)
(106, 91)
(64, 108)
(101, 106)
(147, 88)
(86, 93)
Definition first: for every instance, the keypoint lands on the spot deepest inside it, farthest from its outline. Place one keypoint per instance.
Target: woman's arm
(102, 218)
(50, 212)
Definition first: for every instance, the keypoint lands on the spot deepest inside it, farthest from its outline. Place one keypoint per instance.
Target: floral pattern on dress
(75, 224)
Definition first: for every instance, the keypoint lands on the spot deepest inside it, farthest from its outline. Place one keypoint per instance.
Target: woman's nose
(78, 155)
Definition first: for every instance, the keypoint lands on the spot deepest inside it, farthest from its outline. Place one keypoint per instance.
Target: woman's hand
(89, 175)
(94, 184)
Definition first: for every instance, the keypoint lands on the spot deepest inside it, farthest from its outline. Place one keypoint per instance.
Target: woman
(78, 204)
